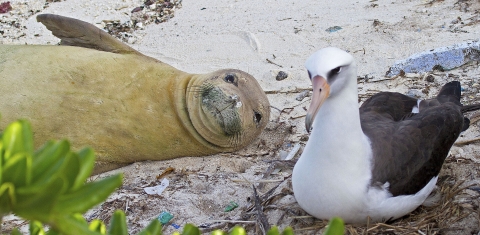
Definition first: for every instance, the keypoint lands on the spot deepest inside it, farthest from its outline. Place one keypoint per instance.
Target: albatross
(378, 162)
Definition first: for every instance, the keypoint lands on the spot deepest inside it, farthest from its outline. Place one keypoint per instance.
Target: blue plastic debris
(176, 226)
(333, 29)
(443, 58)
(165, 217)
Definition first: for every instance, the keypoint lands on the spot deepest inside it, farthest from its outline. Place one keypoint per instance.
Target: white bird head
(329, 70)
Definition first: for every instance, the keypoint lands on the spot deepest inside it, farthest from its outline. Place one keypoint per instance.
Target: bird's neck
(339, 140)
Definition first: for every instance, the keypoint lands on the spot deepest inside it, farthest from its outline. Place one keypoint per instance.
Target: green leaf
(273, 231)
(70, 169)
(7, 198)
(1, 160)
(190, 229)
(87, 163)
(36, 228)
(17, 138)
(18, 170)
(218, 232)
(335, 227)
(79, 218)
(15, 232)
(53, 172)
(88, 196)
(45, 160)
(98, 226)
(37, 203)
(118, 224)
(52, 232)
(237, 230)
(154, 228)
(71, 225)
(288, 231)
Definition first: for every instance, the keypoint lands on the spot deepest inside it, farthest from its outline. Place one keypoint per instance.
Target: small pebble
(287, 200)
(430, 78)
(415, 93)
(149, 2)
(302, 95)
(131, 40)
(136, 9)
(333, 29)
(281, 76)
(5, 7)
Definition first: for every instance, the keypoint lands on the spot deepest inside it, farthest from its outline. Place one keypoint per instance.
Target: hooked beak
(321, 91)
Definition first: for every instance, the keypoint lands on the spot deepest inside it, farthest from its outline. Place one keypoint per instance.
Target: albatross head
(329, 69)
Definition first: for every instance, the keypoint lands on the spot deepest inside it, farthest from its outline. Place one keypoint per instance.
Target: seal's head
(227, 108)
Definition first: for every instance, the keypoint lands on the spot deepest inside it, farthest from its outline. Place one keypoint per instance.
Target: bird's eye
(336, 70)
(332, 75)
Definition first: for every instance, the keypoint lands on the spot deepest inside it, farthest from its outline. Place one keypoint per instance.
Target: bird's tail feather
(470, 108)
(452, 88)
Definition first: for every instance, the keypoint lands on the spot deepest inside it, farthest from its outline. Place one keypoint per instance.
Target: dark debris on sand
(151, 11)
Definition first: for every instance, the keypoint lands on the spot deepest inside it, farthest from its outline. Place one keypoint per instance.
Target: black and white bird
(376, 162)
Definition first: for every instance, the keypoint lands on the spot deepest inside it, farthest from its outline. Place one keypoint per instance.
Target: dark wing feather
(73, 32)
(409, 150)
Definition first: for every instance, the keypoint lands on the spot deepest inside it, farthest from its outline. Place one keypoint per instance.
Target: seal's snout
(224, 108)
(236, 101)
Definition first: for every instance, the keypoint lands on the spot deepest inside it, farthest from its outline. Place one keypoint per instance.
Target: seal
(97, 91)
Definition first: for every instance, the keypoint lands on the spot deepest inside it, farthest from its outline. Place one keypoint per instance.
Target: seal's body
(127, 106)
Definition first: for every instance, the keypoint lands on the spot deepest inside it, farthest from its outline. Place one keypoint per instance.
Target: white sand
(243, 35)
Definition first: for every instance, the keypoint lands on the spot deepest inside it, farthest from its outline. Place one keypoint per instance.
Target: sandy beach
(264, 38)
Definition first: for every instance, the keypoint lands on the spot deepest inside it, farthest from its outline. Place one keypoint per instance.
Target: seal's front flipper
(73, 32)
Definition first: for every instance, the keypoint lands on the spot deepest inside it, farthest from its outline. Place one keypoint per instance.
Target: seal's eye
(230, 78)
(257, 117)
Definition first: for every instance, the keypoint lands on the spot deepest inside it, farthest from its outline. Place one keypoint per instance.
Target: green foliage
(190, 229)
(48, 186)
(335, 227)
(237, 230)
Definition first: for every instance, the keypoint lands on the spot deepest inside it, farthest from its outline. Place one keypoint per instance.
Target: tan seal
(96, 91)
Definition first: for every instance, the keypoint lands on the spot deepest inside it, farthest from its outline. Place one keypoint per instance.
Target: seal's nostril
(257, 117)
